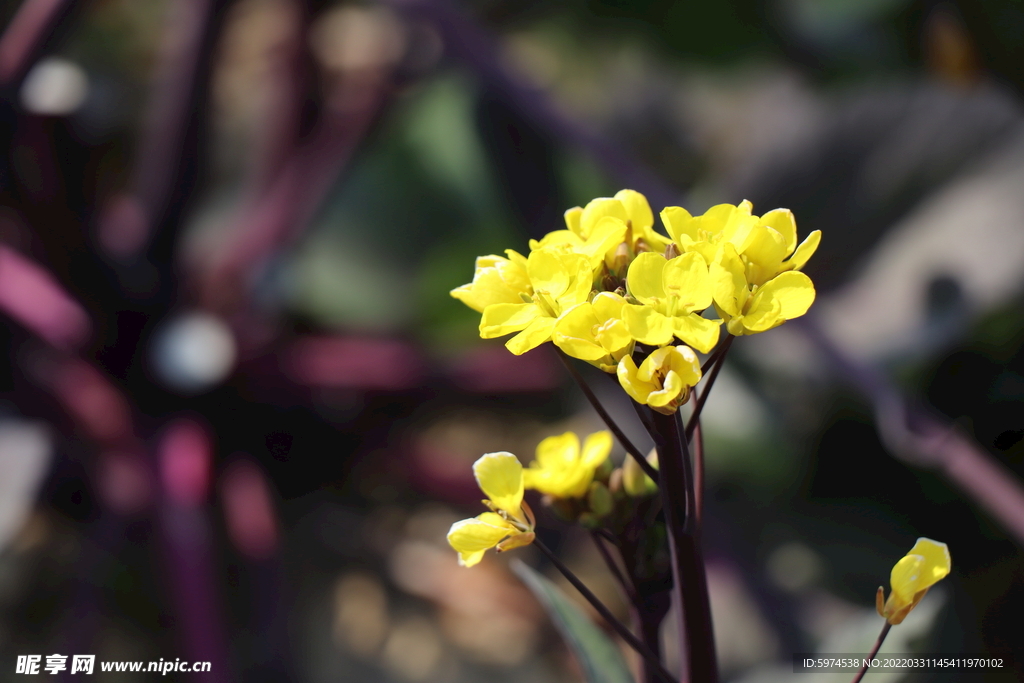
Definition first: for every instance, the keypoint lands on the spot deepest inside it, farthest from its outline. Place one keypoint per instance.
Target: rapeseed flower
(496, 280)
(663, 379)
(564, 470)
(748, 308)
(594, 332)
(926, 564)
(558, 280)
(767, 244)
(510, 522)
(671, 292)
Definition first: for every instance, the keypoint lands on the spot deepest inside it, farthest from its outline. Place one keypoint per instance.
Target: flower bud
(634, 481)
(599, 499)
(615, 482)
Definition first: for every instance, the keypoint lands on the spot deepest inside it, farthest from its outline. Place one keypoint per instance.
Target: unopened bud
(634, 481)
(599, 499)
(620, 259)
(604, 470)
(615, 482)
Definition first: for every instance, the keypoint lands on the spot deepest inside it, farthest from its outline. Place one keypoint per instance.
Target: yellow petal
(627, 374)
(785, 297)
(558, 452)
(687, 277)
(665, 399)
(783, 222)
(766, 247)
(700, 333)
(608, 233)
(935, 563)
(728, 281)
(572, 219)
(647, 325)
(547, 271)
(680, 225)
(596, 448)
(637, 209)
(645, 277)
(805, 251)
(597, 209)
(556, 238)
(574, 334)
(501, 319)
(471, 537)
(535, 334)
(500, 477)
(607, 305)
(684, 362)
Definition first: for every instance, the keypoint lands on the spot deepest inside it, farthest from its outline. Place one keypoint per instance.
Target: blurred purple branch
(920, 439)
(278, 215)
(184, 454)
(470, 43)
(33, 24)
(128, 224)
(33, 297)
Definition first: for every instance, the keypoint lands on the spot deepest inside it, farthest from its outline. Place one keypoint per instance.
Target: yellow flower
(926, 564)
(771, 242)
(559, 280)
(767, 244)
(497, 280)
(602, 236)
(749, 310)
(672, 292)
(562, 470)
(594, 332)
(721, 224)
(663, 379)
(628, 207)
(508, 525)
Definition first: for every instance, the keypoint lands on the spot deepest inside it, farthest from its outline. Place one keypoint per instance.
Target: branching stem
(618, 626)
(619, 434)
(702, 399)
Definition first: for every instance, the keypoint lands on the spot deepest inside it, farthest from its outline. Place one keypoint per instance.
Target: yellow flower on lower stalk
(559, 280)
(749, 310)
(672, 293)
(562, 469)
(663, 379)
(926, 564)
(510, 522)
(594, 332)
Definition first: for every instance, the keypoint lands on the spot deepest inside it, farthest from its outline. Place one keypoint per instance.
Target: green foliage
(599, 658)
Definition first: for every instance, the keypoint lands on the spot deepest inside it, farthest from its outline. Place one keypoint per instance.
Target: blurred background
(238, 408)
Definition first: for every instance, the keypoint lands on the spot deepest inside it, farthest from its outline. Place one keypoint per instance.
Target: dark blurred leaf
(598, 656)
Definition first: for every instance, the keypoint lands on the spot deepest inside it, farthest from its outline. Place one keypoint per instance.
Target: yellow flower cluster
(609, 281)
(562, 469)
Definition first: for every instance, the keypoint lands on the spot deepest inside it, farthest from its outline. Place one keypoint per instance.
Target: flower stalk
(649, 657)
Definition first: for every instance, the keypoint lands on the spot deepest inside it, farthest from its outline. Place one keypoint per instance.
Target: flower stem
(698, 475)
(692, 424)
(649, 657)
(688, 573)
(613, 567)
(619, 434)
(874, 651)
